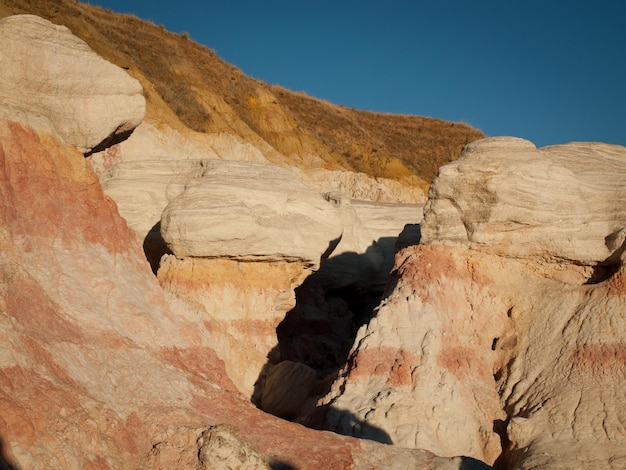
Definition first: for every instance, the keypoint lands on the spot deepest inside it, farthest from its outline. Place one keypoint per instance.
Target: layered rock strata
(253, 300)
(508, 317)
(364, 187)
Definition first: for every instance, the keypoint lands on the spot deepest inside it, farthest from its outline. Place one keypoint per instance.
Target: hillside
(188, 86)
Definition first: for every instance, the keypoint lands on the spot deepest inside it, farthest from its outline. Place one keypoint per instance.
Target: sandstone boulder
(560, 203)
(52, 80)
(286, 388)
(250, 212)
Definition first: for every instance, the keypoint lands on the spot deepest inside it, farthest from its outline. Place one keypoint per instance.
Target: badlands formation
(157, 293)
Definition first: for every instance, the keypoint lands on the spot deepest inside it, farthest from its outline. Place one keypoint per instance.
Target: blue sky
(548, 71)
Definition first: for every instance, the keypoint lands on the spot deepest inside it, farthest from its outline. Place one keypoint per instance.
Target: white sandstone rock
(52, 80)
(149, 142)
(564, 202)
(143, 188)
(250, 212)
(365, 187)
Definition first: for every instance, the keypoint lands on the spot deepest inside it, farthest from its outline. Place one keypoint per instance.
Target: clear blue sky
(548, 71)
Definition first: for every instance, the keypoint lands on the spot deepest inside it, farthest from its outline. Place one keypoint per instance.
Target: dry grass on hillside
(370, 141)
(188, 84)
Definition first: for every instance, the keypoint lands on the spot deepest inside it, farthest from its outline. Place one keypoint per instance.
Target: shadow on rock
(469, 463)
(316, 336)
(4, 461)
(277, 465)
(349, 424)
(154, 247)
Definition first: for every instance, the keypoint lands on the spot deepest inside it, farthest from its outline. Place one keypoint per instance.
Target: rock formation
(99, 367)
(43, 82)
(500, 335)
(254, 275)
(422, 369)
(507, 319)
(253, 300)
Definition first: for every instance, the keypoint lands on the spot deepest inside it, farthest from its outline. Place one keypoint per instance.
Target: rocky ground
(170, 303)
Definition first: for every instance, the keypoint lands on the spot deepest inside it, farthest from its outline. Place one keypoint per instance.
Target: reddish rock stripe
(37, 315)
(199, 362)
(49, 191)
(601, 360)
(393, 363)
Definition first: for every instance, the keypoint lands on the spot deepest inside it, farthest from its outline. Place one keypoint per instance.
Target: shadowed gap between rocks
(115, 138)
(4, 461)
(154, 247)
(316, 336)
(499, 427)
(278, 465)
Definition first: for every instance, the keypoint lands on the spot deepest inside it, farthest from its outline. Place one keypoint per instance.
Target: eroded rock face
(334, 301)
(563, 382)
(250, 212)
(475, 336)
(98, 367)
(52, 80)
(255, 296)
(71, 330)
(253, 300)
